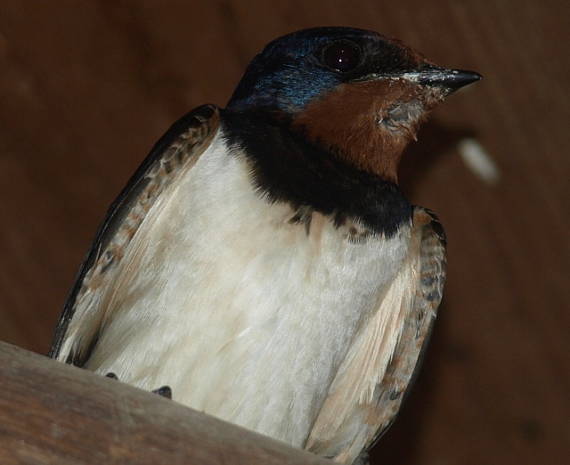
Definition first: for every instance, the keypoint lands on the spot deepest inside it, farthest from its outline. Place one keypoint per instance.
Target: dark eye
(341, 56)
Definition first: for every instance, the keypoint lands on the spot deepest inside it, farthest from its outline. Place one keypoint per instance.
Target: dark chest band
(287, 168)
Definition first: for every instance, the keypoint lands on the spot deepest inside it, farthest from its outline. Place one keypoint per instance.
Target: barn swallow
(262, 261)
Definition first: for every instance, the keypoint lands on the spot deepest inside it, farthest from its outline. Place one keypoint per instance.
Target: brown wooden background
(86, 87)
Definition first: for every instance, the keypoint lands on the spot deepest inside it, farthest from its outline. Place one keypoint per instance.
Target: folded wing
(173, 155)
(369, 387)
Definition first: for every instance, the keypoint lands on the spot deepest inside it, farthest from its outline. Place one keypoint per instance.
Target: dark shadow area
(435, 140)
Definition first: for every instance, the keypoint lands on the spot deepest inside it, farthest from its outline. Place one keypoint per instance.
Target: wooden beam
(52, 413)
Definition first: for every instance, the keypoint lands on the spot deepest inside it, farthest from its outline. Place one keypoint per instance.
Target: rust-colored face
(369, 123)
(357, 94)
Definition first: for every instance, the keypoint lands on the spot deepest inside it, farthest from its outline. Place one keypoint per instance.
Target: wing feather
(175, 153)
(366, 394)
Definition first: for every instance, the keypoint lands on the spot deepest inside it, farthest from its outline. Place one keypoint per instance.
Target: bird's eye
(341, 56)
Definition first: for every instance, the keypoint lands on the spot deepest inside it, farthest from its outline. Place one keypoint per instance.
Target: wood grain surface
(86, 87)
(56, 414)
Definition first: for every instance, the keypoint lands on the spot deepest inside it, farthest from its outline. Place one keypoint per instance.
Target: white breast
(243, 314)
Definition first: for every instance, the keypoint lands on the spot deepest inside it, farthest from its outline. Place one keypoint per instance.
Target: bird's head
(353, 92)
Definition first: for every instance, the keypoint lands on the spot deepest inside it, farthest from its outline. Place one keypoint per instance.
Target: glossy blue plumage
(289, 73)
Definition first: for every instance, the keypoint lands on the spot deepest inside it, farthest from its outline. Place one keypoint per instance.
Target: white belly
(240, 312)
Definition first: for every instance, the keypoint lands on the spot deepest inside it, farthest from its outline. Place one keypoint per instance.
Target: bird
(263, 263)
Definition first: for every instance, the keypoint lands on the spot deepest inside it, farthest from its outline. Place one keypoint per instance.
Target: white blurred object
(479, 161)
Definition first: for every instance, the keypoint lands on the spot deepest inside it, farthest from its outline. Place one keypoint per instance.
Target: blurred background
(86, 88)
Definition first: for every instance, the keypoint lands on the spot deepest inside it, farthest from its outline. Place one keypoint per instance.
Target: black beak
(450, 79)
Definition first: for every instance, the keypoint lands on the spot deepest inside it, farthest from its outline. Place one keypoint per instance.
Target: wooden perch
(51, 413)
